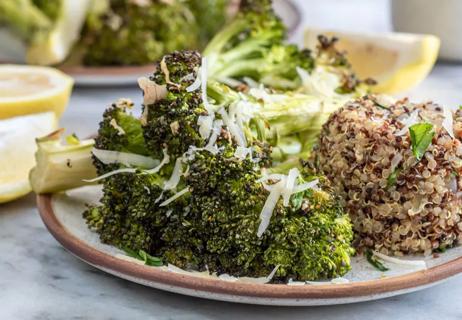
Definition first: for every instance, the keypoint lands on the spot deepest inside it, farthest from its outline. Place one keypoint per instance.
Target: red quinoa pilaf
(398, 204)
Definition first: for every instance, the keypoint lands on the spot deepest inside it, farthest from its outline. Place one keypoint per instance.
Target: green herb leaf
(296, 200)
(441, 249)
(376, 263)
(391, 180)
(131, 253)
(144, 256)
(421, 137)
(150, 260)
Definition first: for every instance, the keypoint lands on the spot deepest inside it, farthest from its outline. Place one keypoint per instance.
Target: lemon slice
(398, 61)
(30, 89)
(17, 148)
(58, 43)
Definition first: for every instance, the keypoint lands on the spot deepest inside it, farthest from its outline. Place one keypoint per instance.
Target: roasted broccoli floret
(119, 131)
(227, 199)
(312, 240)
(252, 45)
(171, 123)
(288, 121)
(138, 32)
(210, 199)
(309, 239)
(112, 219)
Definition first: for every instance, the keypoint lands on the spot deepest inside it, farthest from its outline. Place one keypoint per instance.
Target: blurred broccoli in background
(24, 19)
(138, 32)
(211, 15)
(51, 8)
(47, 29)
(110, 32)
(252, 45)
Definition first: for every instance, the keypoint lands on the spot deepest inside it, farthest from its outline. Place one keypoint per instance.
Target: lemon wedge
(397, 61)
(17, 148)
(55, 47)
(31, 89)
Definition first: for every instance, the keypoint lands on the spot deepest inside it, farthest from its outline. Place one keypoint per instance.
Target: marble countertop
(40, 280)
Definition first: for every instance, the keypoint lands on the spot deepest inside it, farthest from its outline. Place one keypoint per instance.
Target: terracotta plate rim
(272, 291)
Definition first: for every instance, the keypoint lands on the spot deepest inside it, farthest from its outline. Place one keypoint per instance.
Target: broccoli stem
(216, 45)
(240, 68)
(61, 167)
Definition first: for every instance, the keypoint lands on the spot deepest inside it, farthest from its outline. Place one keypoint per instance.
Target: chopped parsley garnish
(421, 137)
(441, 249)
(391, 180)
(376, 263)
(145, 257)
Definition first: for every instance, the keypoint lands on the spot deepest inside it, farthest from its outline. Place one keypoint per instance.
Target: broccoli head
(130, 214)
(119, 131)
(308, 239)
(252, 45)
(226, 200)
(312, 240)
(112, 220)
(171, 123)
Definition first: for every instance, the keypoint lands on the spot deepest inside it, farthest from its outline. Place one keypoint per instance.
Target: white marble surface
(40, 280)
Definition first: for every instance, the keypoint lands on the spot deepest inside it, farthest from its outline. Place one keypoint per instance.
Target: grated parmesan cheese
(415, 263)
(205, 124)
(196, 84)
(285, 187)
(233, 128)
(115, 125)
(448, 121)
(111, 173)
(408, 122)
(203, 75)
(176, 175)
(125, 158)
(241, 153)
(174, 197)
(165, 160)
(152, 92)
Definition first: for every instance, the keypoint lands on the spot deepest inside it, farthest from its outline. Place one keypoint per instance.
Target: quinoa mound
(397, 203)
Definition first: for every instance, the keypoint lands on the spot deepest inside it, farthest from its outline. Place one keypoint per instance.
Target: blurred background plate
(12, 51)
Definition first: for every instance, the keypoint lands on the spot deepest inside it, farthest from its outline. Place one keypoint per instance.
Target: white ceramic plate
(62, 214)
